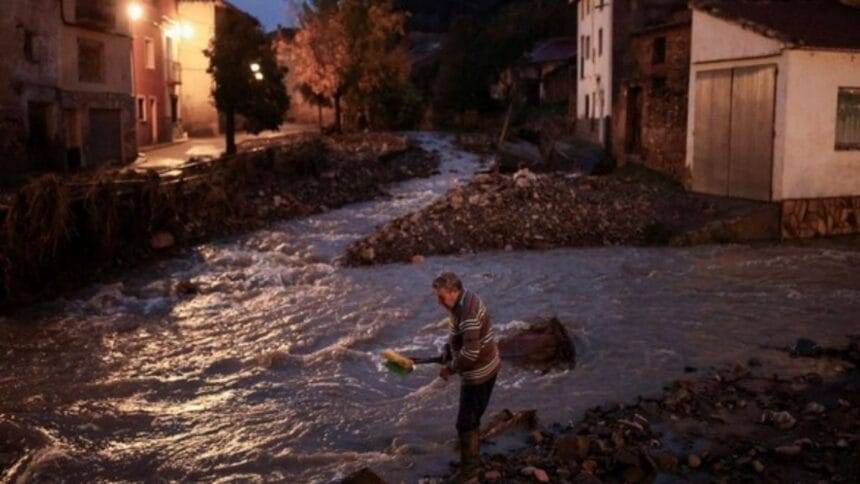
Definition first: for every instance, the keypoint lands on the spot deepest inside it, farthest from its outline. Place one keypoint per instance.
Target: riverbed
(272, 372)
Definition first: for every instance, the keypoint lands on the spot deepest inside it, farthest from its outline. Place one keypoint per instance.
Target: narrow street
(174, 155)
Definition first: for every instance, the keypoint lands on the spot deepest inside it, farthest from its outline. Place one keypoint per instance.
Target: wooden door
(104, 140)
(712, 132)
(751, 169)
(733, 132)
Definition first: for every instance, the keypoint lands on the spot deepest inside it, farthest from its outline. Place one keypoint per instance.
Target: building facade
(774, 110)
(158, 31)
(605, 30)
(200, 118)
(65, 86)
(650, 115)
(206, 19)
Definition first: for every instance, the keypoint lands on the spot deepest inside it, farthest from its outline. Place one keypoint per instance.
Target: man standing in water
(473, 355)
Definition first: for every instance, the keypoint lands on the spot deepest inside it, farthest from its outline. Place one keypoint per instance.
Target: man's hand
(445, 373)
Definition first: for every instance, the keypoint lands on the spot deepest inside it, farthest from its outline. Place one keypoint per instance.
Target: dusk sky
(270, 12)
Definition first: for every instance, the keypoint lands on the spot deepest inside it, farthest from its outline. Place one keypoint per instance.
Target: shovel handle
(428, 360)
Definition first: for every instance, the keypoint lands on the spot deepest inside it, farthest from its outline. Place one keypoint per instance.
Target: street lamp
(135, 11)
(258, 76)
(255, 67)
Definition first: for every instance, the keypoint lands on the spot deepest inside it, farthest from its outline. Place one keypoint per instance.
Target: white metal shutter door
(711, 131)
(751, 166)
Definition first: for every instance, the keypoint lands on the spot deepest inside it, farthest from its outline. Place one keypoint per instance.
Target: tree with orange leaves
(351, 50)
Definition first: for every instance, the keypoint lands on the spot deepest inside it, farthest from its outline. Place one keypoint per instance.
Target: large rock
(543, 343)
(363, 476)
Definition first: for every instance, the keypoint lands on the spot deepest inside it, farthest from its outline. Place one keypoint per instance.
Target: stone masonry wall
(663, 89)
(803, 219)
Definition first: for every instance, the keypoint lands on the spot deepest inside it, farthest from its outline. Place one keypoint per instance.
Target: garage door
(104, 141)
(733, 135)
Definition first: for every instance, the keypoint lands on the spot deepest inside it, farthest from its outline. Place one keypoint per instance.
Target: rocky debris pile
(537, 211)
(739, 423)
(362, 146)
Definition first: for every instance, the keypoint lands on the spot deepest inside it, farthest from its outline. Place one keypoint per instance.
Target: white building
(605, 29)
(594, 68)
(774, 111)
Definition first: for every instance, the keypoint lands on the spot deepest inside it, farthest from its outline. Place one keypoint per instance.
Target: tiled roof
(553, 50)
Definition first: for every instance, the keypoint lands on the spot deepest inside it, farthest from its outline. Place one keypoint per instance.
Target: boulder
(524, 178)
(363, 476)
(544, 343)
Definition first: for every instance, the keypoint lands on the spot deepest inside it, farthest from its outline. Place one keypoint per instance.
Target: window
(141, 109)
(587, 113)
(90, 60)
(582, 57)
(150, 53)
(848, 119)
(658, 51)
(30, 47)
(587, 47)
(600, 42)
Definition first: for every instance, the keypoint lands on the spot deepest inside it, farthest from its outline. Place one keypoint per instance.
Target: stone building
(65, 85)
(774, 109)
(551, 68)
(605, 31)
(651, 110)
(157, 32)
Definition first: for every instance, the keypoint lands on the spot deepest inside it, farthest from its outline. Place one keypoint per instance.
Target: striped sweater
(475, 355)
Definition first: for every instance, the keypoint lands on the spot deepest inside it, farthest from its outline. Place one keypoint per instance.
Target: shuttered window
(848, 119)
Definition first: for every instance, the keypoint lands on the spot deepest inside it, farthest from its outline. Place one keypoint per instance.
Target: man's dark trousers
(473, 403)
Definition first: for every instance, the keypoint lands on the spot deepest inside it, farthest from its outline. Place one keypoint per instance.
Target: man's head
(448, 288)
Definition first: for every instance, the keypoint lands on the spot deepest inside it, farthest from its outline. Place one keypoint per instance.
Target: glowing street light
(255, 67)
(258, 76)
(135, 11)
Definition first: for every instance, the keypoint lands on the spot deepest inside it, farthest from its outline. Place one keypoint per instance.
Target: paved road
(176, 154)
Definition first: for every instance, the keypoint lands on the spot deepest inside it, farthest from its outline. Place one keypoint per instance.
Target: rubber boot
(470, 457)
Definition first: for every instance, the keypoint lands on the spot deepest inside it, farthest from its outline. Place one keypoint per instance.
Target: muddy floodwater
(272, 371)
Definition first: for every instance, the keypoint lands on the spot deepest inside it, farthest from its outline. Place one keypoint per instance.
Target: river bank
(790, 417)
(60, 233)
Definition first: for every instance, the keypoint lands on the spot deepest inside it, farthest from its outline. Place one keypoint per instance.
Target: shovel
(404, 365)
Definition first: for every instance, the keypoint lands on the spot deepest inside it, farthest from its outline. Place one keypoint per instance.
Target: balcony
(97, 15)
(174, 73)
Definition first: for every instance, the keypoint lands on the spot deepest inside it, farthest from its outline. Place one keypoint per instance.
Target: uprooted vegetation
(59, 232)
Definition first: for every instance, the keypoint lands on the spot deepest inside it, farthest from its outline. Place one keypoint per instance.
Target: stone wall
(662, 88)
(803, 219)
